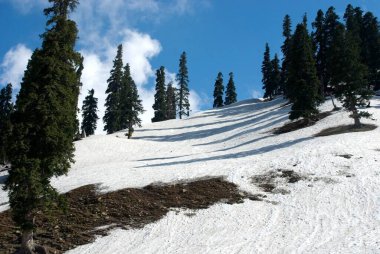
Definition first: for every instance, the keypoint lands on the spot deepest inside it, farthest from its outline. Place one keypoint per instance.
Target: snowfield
(334, 209)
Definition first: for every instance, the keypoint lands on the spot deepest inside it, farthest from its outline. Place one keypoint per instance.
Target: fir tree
(285, 48)
(231, 96)
(371, 49)
(159, 105)
(171, 101)
(112, 114)
(130, 103)
(266, 69)
(319, 43)
(349, 75)
(275, 75)
(6, 109)
(44, 121)
(218, 91)
(89, 113)
(303, 81)
(183, 82)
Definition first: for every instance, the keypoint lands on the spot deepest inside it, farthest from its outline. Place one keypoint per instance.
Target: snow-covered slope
(335, 209)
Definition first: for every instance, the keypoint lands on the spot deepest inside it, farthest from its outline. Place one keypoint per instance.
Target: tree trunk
(357, 122)
(332, 100)
(27, 243)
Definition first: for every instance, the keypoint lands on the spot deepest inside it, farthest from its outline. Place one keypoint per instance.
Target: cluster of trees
(230, 96)
(336, 58)
(168, 100)
(123, 104)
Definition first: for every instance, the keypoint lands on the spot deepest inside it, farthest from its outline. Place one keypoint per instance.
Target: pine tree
(319, 43)
(89, 113)
(285, 48)
(303, 82)
(171, 101)
(218, 91)
(371, 49)
(266, 69)
(275, 75)
(349, 75)
(183, 82)
(112, 114)
(231, 96)
(130, 103)
(44, 121)
(6, 109)
(159, 105)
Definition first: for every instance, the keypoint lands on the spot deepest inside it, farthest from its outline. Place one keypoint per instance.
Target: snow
(328, 213)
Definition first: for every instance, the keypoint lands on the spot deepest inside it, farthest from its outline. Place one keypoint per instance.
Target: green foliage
(45, 117)
(218, 91)
(231, 96)
(302, 88)
(171, 101)
(183, 82)
(285, 48)
(89, 113)
(6, 109)
(159, 105)
(275, 75)
(130, 103)
(266, 70)
(112, 114)
(349, 74)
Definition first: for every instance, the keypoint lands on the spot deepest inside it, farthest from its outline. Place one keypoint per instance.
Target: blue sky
(218, 35)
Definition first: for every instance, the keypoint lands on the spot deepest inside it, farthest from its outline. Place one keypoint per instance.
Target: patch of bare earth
(300, 124)
(345, 129)
(90, 214)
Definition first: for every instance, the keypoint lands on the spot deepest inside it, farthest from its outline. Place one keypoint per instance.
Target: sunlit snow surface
(334, 214)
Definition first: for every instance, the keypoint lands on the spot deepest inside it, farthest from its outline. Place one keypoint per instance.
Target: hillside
(333, 207)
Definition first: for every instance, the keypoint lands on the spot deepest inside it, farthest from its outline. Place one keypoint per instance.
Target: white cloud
(24, 6)
(256, 94)
(14, 64)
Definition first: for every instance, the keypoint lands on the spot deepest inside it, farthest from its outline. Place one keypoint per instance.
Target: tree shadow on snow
(243, 154)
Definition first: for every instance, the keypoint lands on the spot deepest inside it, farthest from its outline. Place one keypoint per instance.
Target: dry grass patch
(345, 129)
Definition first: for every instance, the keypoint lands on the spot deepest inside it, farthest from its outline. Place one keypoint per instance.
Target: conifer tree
(130, 103)
(349, 75)
(218, 91)
(112, 114)
(285, 48)
(275, 75)
(89, 113)
(231, 96)
(303, 82)
(44, 121)
(266, 69)
(171, 101)
(371, 49)
(319, 44)
(183, 82)
(6, 109)
(159, 105)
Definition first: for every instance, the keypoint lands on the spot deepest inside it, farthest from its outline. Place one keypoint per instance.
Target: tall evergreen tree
(285, 48)
(275, 75)
(303, 81)
(171, 102)
(159, 105)
(349, 75)
(130, 103)
(44, 121)
(371, 49)
(231, 96)
(89, 113)
(218, 91)
(6, 109)
(319, 43)
(183, 82)
(112, 114)
(266, 69)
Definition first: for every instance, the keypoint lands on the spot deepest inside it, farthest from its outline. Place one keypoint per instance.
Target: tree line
(340, 59)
